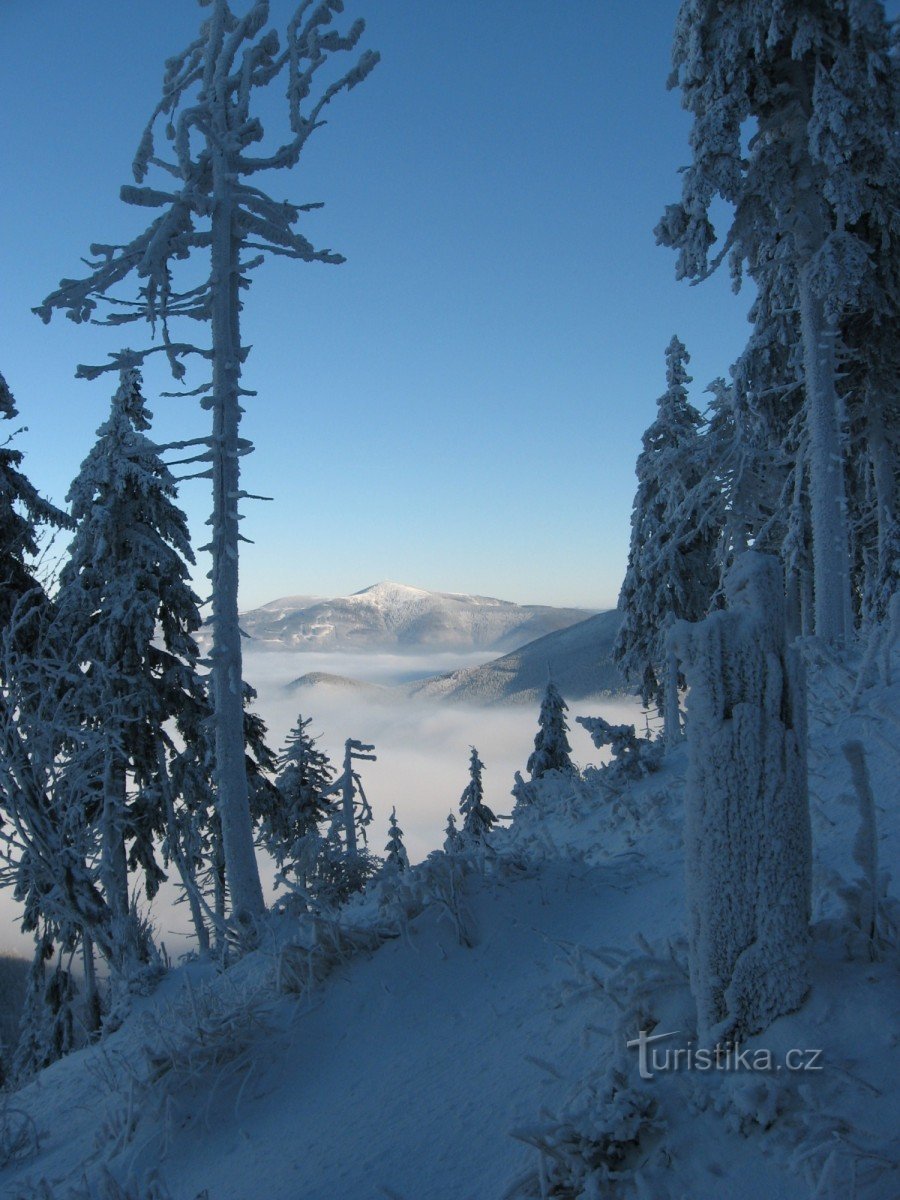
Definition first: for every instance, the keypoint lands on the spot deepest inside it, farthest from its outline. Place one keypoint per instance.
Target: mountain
(396, 617)
(372, 691)
(580, 658)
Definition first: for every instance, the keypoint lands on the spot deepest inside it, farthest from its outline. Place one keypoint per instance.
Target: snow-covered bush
(325, 943)
(632, 757)
(19, 1138)
(104, 1186)
(442, 880)
(203, 1040)
(598, 1140)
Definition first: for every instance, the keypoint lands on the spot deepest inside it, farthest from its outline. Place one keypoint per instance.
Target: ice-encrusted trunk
(883, 474)
(831, 557)
(113, 859)
(93, 1012)
(672, 706)
(232, 799)
(348, 807)
(747, 829)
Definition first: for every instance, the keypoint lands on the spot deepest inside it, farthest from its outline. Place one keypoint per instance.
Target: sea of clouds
(422, 749)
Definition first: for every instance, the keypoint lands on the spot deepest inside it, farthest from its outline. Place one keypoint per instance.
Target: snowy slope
(579, 657)
(341, 683)
(403, 1073)
(396, 616)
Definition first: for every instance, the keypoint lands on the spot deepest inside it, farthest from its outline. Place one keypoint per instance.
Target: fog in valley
(422, 748)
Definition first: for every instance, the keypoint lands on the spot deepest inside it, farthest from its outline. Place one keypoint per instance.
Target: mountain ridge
(402, 618)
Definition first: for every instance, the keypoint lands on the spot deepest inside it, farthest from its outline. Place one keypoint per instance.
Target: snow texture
(747, 828)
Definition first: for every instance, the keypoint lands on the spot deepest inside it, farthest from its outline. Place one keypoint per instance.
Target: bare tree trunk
(113, 860)
(831, 559)
(672, 709)
(232, 800)
(93, 1014)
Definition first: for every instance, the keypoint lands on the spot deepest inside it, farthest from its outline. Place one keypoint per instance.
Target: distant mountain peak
(392, 616)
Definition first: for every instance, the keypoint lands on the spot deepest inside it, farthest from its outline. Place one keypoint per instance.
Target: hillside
(394, 616)
(394, 1054)
(579, 657)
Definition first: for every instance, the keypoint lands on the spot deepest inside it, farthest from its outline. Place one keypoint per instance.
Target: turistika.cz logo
(724, 1056)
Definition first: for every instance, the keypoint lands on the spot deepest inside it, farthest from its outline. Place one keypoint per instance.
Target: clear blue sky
(460, 405)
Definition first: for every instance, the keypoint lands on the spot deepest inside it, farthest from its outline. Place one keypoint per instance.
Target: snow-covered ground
(403, 1072)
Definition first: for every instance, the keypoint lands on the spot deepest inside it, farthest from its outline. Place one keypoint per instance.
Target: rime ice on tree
(395, 859)
(551, 746)
(21, 510)
(747, 832)
(674, 528)
(126, 609)
(794, 108)
(210, 207)
(290, 823)
(478, 820)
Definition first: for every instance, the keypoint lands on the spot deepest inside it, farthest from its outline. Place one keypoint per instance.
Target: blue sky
(460, 405)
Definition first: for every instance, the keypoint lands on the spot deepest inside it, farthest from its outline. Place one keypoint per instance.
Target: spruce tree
(814, 196)
(396, 860)
(21, 510)
(551, 745)
(451, 835)
(289, 825)
(126, 612)
(675, 527)
(478, 820)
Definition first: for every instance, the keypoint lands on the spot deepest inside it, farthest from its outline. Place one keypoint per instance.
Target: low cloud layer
(422, 748)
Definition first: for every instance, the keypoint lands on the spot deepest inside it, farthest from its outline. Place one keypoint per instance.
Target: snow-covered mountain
(579, 658)
(326, 679)
(394, 616)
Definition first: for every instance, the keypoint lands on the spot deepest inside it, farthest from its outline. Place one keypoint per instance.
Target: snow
(403, 1073)
(397, 616)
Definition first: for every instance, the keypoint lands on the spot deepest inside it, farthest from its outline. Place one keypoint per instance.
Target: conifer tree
(551, 745)
(451, 835)
(396, 859)
(21, 510)
(675, 527)
(478, 820)
(210, 208)
(814, 198)
(289, 825)
(125, 611)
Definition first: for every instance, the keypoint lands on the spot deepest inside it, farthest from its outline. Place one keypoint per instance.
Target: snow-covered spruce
(747, 830)
(551, 746)
(210, 207)
(675, 526)
(290, 823)
(815, 197)
(478, 819)
(396, 860)
(22, 509)
(125, 609)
